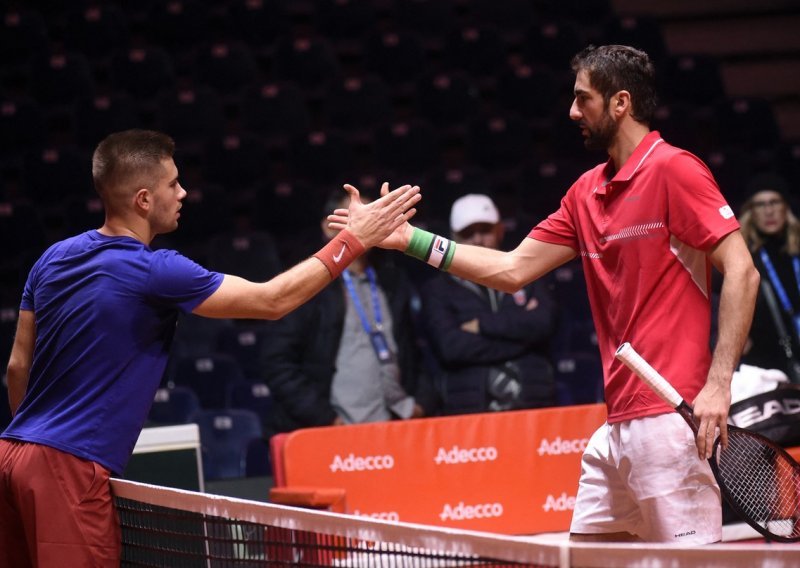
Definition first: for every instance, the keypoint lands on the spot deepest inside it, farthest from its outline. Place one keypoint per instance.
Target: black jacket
(299, 361)
(508, 333)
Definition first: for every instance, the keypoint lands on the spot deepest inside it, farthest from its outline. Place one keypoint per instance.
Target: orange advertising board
(507, 472)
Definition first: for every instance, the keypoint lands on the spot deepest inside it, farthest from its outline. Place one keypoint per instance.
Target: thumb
(384, 188)
(354, 195)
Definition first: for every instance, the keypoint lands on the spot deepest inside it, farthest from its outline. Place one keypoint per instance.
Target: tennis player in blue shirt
(96, 320)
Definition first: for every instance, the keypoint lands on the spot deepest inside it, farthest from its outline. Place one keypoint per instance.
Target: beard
(601, 136)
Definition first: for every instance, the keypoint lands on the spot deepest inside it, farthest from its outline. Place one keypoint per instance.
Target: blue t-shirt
(106, 309)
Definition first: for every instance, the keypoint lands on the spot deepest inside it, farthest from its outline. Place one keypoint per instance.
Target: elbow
(754, 280)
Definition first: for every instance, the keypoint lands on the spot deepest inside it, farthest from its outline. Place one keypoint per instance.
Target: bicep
(731, 253)
(235, 297)
(533, 258)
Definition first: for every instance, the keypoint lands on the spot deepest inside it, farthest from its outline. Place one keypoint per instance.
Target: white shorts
(643, 477)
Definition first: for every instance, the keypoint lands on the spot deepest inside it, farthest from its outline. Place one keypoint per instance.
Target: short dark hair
(129, 158)
(614, 68)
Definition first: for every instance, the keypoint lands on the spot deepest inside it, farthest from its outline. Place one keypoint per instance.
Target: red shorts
(55, 509)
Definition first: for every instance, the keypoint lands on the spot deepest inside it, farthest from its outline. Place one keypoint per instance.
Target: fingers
(706, 434)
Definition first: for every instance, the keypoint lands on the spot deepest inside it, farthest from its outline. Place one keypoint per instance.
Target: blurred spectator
(350, 356)
(493, 347)
(772, 232)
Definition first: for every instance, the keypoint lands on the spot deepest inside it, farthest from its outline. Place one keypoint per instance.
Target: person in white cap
(492, 346)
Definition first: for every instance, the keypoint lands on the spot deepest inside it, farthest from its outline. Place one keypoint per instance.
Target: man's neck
(628, 137)
(115, 227)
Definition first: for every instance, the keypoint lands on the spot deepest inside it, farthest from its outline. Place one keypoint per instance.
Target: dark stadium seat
(224, 438)
(276, 111)
(175, 405)
(209, 376)
(579, 377)
(244, 341)
(253, 396)
(357, 104)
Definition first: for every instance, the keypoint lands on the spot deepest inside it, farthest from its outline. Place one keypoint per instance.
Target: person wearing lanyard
(351, 356)
(772, 232)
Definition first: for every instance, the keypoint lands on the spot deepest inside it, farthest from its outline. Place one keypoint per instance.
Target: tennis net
(175, 528)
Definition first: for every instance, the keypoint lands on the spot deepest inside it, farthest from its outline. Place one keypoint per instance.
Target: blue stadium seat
(173, 406)
(224, 438)
(244, 341)
(579, 377)
(276, 111)
(253, 396)
(209, 376)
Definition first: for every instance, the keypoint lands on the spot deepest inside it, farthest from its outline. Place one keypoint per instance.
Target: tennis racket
(758, 479)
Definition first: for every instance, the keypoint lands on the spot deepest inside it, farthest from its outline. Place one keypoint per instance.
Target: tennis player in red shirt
(648, 224)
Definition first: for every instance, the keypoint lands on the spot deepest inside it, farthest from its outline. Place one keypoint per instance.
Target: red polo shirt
(643, 237)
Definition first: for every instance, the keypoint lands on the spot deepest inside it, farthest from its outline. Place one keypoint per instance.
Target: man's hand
(472, 326)
(711, 410)
(390, 229)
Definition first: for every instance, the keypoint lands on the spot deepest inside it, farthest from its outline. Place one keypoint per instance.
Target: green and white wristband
(433, 249)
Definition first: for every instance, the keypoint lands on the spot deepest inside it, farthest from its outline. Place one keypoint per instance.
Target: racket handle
(628, 355)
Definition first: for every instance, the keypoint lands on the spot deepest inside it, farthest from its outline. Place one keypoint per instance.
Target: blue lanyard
(776, 283)
(376, 307)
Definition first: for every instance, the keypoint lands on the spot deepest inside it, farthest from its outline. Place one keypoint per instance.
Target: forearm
(737, 302)
(505, 271)
(17, 385)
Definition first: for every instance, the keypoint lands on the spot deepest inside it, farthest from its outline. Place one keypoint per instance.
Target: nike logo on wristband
(338, 257)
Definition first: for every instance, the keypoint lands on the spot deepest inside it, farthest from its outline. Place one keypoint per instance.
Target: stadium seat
(691, 78)
(308, 61)
(447, 98)
(321, 156)
(475, 49)
(97, 117)
(236, 161)
(407, 146)
(244, 341)
(499, 140)
(224, 438)
(22, 126)
(142, 71)
(579, 377)
(23, 33)
(191, 115)
(397, 56)
(357, 103)
(253, 255)
(253, 396)
(260, 22)
(61, 78)
(529, 90)
(553, 42)
(96, 29)
(276, 111)
(227, 67)
(173, 406)
(209, 376)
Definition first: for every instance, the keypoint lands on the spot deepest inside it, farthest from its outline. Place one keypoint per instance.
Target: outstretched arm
(506, 271)
(367, 225)
(737, 302)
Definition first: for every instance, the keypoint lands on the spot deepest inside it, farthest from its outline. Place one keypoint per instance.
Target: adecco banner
(507, 472)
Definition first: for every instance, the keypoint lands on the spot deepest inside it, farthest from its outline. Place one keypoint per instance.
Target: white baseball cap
(472, 208)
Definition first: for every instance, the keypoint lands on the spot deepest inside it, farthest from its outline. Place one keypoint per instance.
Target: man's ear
(143, 200)
(622, 103)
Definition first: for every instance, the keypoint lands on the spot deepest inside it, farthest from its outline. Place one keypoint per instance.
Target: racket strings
(761, 483)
